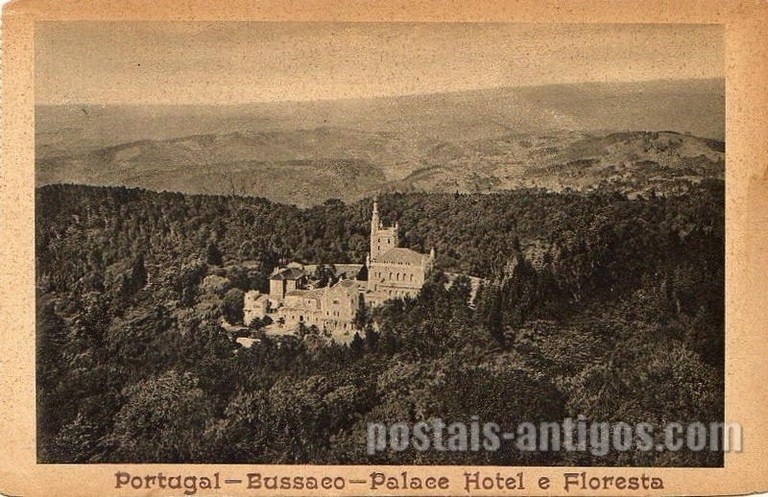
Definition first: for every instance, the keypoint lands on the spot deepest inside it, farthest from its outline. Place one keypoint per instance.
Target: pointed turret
(375, 223)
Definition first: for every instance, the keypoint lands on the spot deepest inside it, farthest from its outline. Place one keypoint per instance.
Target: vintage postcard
(377, 248)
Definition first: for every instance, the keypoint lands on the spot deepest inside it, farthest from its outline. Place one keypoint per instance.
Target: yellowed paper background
(746, 215)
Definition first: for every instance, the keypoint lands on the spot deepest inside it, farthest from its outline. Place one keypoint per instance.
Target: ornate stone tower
(382, 239)
(375, 222)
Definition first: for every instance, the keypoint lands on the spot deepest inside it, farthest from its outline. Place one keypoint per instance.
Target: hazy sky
(235, 62)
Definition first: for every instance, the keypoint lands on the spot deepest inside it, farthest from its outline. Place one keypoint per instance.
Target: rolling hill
(565, 136)
(630, 162)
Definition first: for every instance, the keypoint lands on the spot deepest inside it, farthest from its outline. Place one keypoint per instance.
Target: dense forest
(591, 304)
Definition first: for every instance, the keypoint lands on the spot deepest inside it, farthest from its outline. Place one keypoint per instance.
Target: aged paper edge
(746, 218)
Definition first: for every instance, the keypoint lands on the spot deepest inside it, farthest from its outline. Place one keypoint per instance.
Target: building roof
(400, 255)
(351, 270)
(255, 296)
(345, 286)
(290, 273)
(310, 294)
(247, 342)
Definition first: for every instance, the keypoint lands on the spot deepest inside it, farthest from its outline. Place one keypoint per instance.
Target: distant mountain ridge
(565, 136)
(695, 106)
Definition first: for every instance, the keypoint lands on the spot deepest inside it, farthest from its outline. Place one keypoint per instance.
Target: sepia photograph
(380, 243)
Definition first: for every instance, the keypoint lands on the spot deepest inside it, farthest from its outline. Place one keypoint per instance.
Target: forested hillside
(593, 304)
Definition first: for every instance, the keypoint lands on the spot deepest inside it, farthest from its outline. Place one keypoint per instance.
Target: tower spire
(374, 241)
(375, 216)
